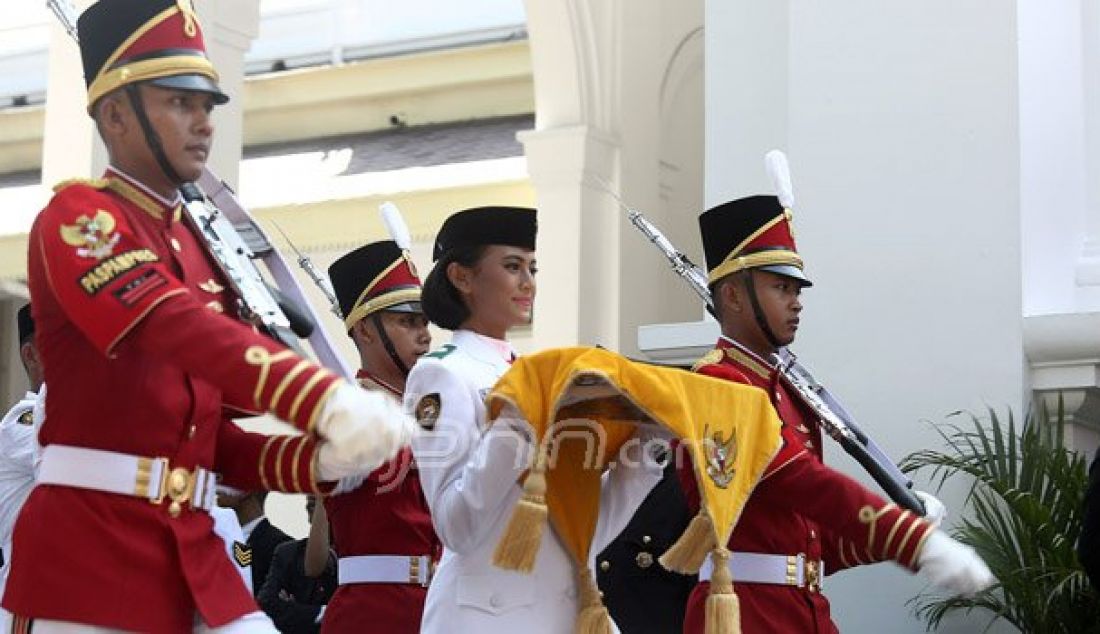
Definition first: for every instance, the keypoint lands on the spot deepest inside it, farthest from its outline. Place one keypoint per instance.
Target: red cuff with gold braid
(290, 387)
(289, 464)
(892, 534)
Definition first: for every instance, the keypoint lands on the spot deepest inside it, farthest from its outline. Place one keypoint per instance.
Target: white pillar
(70, 146)
(229, 28)
(1088, 264)
(578, 244)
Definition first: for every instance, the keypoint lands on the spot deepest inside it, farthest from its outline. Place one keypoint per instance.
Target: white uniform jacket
(469, 477)
(18, 459)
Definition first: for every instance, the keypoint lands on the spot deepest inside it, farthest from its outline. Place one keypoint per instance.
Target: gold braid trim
(288, 378)
(905, 540)
(135, 36)
(869, 516)
(320, 375)
(786, 215)
(135, 196)
(755, 260)
(146, 69)
(381, 302)
(259, 355)
(312, 423)
(189, 17)
(905, 514)
(313, 484)
(855, 554)
(263, 465)
(920, 544)
(840, 551)
(286, 440)
(749, 362)
(294, 465)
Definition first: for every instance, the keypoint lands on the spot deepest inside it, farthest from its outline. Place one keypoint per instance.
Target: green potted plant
(1023, 515)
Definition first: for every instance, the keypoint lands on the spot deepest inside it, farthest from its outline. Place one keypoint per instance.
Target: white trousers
(254, 623)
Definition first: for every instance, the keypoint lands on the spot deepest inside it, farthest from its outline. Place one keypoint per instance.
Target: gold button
(191, 431)
(605, 565)
(813, 534)
(176, 245)
(646, 539)
(644, 560)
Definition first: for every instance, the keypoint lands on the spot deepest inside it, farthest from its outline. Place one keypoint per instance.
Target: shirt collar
(495, 351)
(141, 195)
(247, 529)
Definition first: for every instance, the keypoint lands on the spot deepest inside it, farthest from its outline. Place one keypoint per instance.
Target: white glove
(953, 566)
(360, 430)
(934, 510)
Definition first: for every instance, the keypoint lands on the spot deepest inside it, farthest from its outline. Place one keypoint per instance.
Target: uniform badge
(427, 410)
(93, 237)
(211, 286)
(721, 457)
(242, 554)
(26, 418)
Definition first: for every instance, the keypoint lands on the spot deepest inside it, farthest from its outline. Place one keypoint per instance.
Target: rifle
(234, 241)
(835, 420)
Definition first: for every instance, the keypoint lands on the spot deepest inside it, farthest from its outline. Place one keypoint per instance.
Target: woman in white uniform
(482, 285)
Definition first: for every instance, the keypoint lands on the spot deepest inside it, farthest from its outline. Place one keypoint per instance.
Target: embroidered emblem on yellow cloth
(242, 554)
(721, 458)
(94, 237)
(427, 410)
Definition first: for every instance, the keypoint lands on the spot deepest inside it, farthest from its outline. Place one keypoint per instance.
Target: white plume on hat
(395, 224)
(779, 171)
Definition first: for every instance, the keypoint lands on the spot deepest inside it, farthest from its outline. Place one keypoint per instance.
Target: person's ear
(364, 331)
(461, 277)
(730, 296)
(113, 115)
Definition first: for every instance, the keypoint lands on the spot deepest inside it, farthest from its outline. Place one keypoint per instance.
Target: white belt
(784, 570)
(112, 472)
(385, 569)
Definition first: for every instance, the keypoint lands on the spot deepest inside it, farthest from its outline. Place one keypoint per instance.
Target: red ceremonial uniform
(801, 506)
(385, 515)
(140, 360)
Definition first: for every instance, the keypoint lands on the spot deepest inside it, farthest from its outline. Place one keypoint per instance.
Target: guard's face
(409, 334)
(182, 119)
(501, 288)
(780, 300)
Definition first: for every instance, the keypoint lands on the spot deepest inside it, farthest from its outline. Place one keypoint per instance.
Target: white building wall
(901, 124)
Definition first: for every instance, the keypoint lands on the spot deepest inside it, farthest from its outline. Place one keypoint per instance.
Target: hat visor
(789, 271)
(195, 82)
(404, 307)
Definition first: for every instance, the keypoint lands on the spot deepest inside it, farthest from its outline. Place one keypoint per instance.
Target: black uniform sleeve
(289, 616)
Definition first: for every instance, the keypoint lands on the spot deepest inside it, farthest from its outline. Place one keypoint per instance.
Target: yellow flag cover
(584, 405)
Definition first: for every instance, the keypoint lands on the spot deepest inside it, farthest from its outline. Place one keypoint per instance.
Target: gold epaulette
(710, 358)
(94, 183)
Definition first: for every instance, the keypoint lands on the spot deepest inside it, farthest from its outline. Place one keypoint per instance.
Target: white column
(229, 28)
(1088, 264)
(578, 244)
(70, 146)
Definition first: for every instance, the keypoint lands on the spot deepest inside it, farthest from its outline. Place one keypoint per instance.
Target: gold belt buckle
(416, 564)
(813, 575)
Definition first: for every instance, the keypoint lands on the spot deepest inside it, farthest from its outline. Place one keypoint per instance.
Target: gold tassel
(594, 617)
(689, 552)
(519, 544)
(723, 609)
